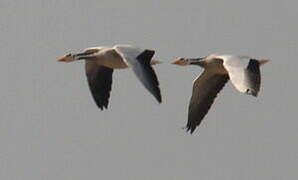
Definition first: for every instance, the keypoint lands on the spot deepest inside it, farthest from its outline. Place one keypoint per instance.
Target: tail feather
(263, 61)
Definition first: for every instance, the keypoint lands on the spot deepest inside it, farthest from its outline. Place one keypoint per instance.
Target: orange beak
(64, 58)
(154, 62)
(176, 61)
(180, 61)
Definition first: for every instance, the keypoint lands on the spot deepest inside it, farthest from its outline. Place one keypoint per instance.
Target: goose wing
(245, 74)
(205, 89)
(100, 83)
(139, 60)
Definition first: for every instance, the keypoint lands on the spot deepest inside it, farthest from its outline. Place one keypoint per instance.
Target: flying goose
(243, 71)
(101, 61)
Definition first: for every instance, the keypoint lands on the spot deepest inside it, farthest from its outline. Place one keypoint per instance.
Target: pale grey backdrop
(51, 129)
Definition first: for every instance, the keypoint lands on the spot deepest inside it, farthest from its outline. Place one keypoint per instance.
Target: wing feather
(139, 60)
(205, 89)
(244, 74)
(100, 83)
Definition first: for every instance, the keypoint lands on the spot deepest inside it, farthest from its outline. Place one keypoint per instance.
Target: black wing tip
(190, 129)
(158, 98)
(192, 126)
(252, 92)
(156, 92)
(102, 106)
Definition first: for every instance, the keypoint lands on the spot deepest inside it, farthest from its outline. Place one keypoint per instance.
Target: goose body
(243, 71)
(100, 63)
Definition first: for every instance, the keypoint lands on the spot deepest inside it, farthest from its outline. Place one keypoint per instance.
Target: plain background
(51, 129)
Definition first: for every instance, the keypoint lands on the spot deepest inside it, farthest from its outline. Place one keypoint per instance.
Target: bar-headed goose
(243, 71)
(101, 61)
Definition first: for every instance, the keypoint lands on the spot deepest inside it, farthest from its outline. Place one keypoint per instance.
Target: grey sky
(50, 127)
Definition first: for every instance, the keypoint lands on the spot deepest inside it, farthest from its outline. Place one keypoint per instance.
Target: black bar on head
(83, 54)
(195, 61)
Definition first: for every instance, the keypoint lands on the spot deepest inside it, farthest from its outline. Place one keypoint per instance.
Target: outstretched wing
(139, 60)
(100, 83)
(205, 89)
(245, 75)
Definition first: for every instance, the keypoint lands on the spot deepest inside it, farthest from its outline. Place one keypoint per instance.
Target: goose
(100, 63)
(243, 71)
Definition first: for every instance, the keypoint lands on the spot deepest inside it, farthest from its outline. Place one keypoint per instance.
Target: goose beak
(154, 62)
(180, 62)
(65, 58)
(176, 61)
